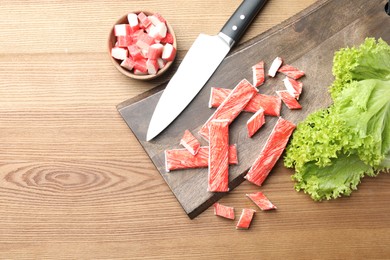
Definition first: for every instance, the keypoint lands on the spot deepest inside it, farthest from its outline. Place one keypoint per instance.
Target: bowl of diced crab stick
(142, 45)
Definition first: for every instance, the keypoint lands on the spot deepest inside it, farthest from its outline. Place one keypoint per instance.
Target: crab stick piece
(288, 100)
(180, 159)
(261, 201)
(258, 74)
(122, 30)
(218, 176)
(132, 18)
(169, 52)
(271, 104)
(291, 71)
(190, 142)
(255, 122)
(155, 51)
(232, 106)
(275, 66)
(245, 218)
(128, 63)
(272, 150)
(223, 211)
(119, 53)
(293, 87)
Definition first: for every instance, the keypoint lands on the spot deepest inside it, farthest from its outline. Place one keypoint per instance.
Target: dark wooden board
(308, 41)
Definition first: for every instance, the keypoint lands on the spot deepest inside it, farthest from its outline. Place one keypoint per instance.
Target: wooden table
(75, 183)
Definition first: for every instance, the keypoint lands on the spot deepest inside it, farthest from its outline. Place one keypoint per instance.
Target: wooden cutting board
(308, 41)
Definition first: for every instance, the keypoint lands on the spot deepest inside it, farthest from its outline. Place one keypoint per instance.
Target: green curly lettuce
(333, 148)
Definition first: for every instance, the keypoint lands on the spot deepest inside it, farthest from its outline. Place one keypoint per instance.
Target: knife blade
(198, 65)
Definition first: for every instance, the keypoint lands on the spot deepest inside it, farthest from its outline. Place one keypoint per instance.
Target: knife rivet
(234, 28)
(242, 17)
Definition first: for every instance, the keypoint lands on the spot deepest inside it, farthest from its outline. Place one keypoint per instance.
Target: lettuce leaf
(333, 148)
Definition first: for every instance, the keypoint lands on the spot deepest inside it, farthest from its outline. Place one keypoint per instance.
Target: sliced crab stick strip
(223, 211)
(245, 218)
(288, 100)
(218, 175)
(258, 74)
(270, 104)
(255, 122)
(232, 106)
(291, 71)
(180, 159)
(275, 65)
(293, 86)
(272, 150)
(261, 201)
(190, 142)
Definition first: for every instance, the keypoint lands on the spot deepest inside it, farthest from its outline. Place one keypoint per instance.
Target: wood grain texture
(76, 184)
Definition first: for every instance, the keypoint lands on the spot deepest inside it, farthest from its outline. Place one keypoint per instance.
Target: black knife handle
(237, 24)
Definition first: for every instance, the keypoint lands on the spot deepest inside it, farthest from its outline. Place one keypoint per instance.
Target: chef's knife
(200, 62)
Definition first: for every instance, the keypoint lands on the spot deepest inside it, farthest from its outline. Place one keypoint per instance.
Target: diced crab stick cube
(190, 142)
(124, 40)
(277, 62)
(168, 38)
(288, 100)
(132, 18)
(119, 53)
(245, 218)
(161, 63)
(293, 87)
(155, 51)
(169, 52)
(223, 211)
(122, 30)
(156, 18)
(128, 63)
(256, 121)
(138, 72)
(258, 74)
(218, 176)
(141, 65)
(271, 104)
(135, 52)
(144, 20)
(158, 32)
(152, 66)
(180, 159)
(291, 71)
(272, 150)
(261, 201)
(144, 41)
(232, 106)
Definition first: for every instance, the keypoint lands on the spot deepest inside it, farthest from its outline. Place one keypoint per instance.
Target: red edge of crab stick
(271, 152)
(190, 142)
(288, 100)
(275, 65)
(271, 104)
(180, 159)
(223, 211)
(232, 106)
(218, 175)
(261, 201)
(245, 218)
(255, 122)
(258, 74)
